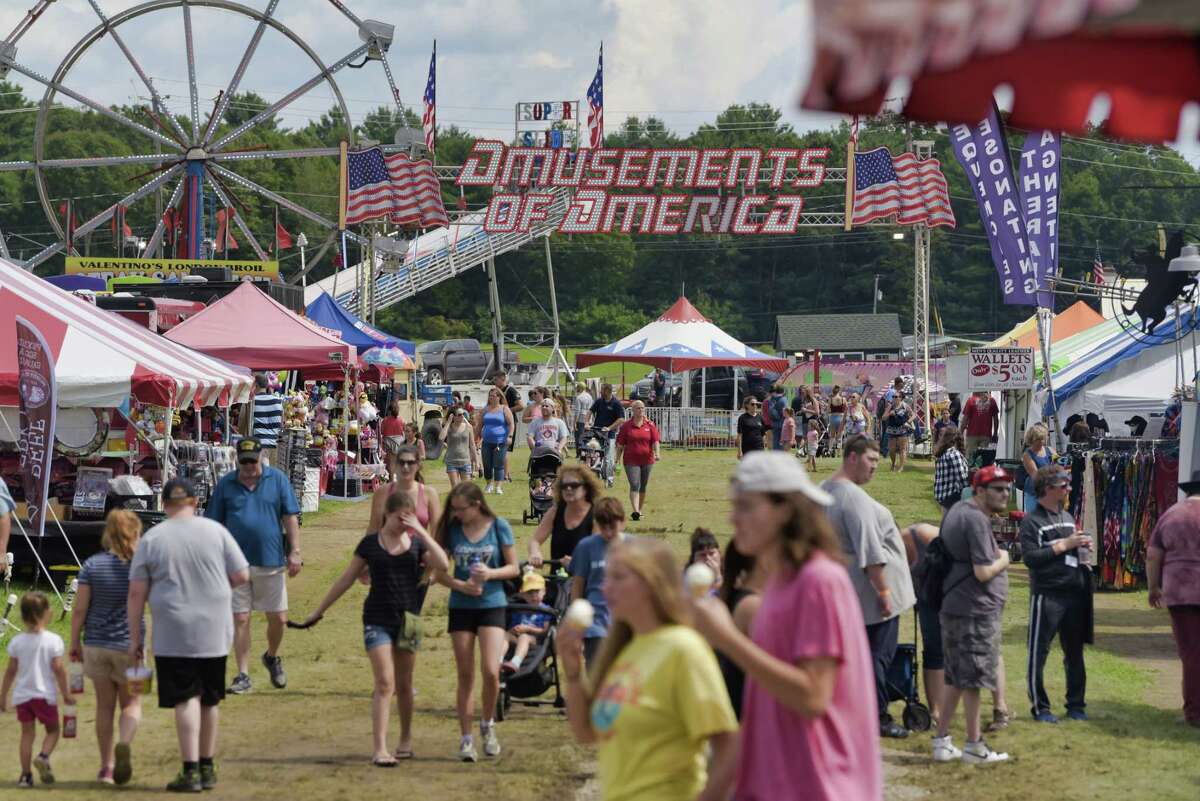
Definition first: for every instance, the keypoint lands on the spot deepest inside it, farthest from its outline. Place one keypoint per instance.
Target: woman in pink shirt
(808, 730)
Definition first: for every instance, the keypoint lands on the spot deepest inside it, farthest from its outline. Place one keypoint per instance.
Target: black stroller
(902, 685)
(543, 467)
(593, 452)
(538, 673)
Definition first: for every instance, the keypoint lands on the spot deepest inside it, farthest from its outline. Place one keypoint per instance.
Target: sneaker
(944, 750)
(105, 776)
(186, 782)
(508, 667)
(491, 744)
(635, 515)
(1077, 714)
(979, 754)
(274, 666)
(208, 777)
(466, 750)
(892, 729)
(45, 773)
(123, 769)
(241, 685)
(1045, 717)
(489, 489)
(26, 781)
(499, 490)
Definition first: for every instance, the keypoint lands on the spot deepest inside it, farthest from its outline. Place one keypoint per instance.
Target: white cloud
(545, 60)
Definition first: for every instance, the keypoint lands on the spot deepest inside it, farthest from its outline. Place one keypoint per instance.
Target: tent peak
(683, 312)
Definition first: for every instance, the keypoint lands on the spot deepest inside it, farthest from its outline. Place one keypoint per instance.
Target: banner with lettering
(1038, 179)
(38, 401)
(982, 151)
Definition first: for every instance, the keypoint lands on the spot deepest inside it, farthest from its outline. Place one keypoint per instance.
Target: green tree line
(1113, 197)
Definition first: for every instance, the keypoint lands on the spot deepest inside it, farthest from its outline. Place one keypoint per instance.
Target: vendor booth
(119, 387)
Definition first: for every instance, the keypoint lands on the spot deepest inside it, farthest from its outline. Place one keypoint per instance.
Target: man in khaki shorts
(257, 505)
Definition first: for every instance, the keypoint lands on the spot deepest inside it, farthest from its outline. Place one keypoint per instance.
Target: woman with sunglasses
(569, 520)
(493, 429)
(482, 556)
(405, 464)
(749, 428)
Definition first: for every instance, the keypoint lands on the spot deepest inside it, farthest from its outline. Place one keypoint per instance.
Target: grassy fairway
(312, 740)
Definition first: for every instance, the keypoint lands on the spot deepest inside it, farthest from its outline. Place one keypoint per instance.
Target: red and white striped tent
(101, 358)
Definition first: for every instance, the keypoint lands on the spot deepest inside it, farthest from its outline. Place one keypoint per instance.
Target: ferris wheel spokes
(274, 197)
(160, 227)
(287, 99)
(223, 196)
(99, 108)
(159, 105)
(239, 73)
(193, 90)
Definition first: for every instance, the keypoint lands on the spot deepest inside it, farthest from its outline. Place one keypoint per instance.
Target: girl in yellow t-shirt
(655, 695)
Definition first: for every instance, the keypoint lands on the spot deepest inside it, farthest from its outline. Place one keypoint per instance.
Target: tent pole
(704, 387)
(228, 421)
(167, 472)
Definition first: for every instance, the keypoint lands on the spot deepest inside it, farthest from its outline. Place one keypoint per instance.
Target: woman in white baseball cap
(806, 723)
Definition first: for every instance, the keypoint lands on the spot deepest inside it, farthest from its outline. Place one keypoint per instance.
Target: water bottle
(476, 578)
(70, 722)
(75, 676)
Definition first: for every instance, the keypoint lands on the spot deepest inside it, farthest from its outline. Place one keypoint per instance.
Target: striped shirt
(106, 625)
(268, 417)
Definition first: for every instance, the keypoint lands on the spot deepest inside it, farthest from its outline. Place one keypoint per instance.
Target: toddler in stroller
(527, 627)
(594, 452)
(530, 668)
(543, 467)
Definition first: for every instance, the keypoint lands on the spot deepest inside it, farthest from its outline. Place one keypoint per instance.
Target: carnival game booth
(683, 340)
(118, 388)
(249, 328)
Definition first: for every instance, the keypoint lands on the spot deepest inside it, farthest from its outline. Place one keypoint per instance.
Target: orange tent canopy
(1079, 317)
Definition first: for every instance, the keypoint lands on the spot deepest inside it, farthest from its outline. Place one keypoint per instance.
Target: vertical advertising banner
(38, 398)
(1037, 177)
(983, 153)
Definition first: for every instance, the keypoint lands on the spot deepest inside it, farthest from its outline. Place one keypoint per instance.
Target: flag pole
(850, 148)
(433, 153)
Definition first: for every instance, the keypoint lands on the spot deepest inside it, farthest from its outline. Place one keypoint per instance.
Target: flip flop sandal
(404, 754)
(383, 763)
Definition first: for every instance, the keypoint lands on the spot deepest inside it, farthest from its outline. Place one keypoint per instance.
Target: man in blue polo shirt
(252, 502)
(607, 413)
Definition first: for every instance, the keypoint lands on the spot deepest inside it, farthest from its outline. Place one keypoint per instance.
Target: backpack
(929, 575)
(1022, 475)
(880, 406)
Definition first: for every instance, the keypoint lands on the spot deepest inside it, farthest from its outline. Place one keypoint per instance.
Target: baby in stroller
(527, 627)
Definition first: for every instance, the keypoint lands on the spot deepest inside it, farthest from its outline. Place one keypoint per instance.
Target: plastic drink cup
(70, 721)
(138, 678)
(699, 579)
(580, 614)
(75, 676)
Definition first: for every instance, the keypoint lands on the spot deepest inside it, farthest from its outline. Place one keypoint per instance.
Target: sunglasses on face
(406, 463)
(571, 485)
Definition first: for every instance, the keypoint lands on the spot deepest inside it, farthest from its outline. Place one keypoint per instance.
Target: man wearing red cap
(974, 592)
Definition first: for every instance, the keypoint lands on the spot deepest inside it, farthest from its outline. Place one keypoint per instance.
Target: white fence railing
(687, 427)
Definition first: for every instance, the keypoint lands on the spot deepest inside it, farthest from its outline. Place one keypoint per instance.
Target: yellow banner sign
(106, 268)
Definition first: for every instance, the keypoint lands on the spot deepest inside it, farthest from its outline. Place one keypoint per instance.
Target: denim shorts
(463, 470)
(403, 638)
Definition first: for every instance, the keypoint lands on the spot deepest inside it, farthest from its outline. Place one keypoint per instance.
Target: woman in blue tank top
(494, 429)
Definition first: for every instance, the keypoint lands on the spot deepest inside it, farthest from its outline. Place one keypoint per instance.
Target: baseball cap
(248, 450)
(990, 475)
(178, 489)
(776, 471)
(533, 581)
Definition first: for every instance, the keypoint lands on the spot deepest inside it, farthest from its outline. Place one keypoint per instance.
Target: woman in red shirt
(637, 449)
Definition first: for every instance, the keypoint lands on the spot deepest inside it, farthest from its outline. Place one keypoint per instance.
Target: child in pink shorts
(35, 666)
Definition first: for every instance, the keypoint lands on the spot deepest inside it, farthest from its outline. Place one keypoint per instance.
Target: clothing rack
(1136, 444)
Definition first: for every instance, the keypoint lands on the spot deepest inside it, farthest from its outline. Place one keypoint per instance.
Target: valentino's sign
(729, 190)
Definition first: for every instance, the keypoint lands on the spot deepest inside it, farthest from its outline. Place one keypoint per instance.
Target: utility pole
(922, 150)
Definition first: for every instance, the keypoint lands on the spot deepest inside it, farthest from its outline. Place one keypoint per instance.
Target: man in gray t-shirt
(878, 562)
(186, 567)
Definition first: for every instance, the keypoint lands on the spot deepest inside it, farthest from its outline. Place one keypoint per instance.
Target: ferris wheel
(191, 159)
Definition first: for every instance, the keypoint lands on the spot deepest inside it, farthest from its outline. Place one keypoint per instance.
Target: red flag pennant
(225, 241)
(283, 239)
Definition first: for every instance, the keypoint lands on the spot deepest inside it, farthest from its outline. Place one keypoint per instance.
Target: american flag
(429, 120)
(915, 191)
(1097, 269)
(404, 191)
(595, 96)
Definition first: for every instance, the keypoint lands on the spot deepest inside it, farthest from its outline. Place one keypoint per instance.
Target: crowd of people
(757, 682)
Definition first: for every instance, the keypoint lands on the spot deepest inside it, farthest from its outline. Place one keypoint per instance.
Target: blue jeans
(776, 436)
(493, 460)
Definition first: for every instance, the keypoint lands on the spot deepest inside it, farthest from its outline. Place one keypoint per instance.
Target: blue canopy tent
(327, 312)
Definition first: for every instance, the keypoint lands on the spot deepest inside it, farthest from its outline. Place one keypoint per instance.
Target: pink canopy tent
(681, 339)
(250, 328)
(101, 359)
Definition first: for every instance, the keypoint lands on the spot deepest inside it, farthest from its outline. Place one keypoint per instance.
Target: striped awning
(102, 358)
